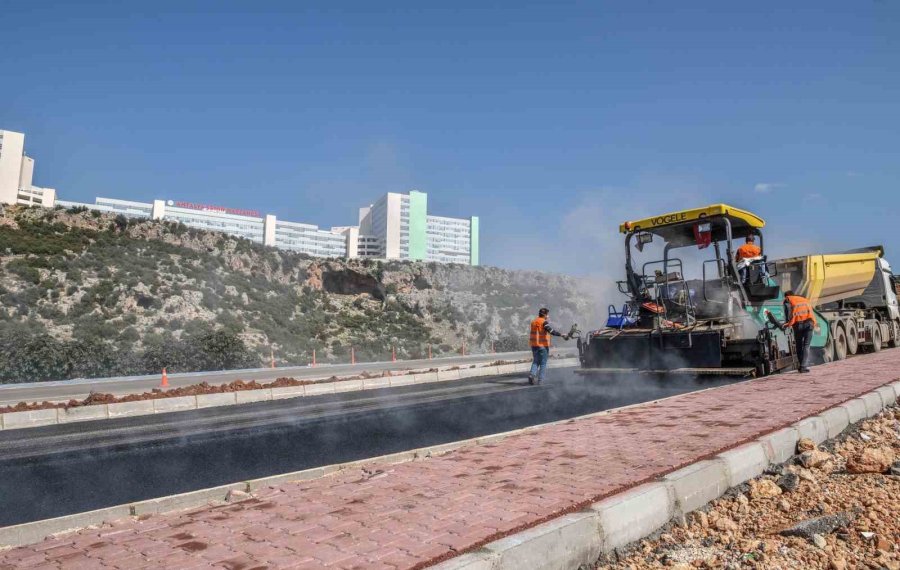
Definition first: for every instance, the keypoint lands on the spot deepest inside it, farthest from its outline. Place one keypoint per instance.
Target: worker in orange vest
(747, 251)
(800, 315)
(539, 338)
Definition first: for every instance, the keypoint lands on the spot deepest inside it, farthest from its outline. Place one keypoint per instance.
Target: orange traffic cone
(165, 380)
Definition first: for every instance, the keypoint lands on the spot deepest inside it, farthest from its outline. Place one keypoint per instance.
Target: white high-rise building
(401, 227)
(16, 173)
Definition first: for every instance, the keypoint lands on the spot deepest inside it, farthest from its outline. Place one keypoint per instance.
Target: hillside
(86, 294)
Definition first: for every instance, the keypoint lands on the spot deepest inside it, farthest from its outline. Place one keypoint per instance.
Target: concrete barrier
(696, 485)
(126, 409)
(574, 538)
(445, 375)
(856, 409)
(283, 392)
(82, 414)
(744, 463)
(780, 445)
(888, 396)
(318, 389)
(634, 514)
(404, 380)
(250, 396)
(836, 420)
(873, 403)
(346, 386)
(34, 418)
(813, 428)
(426, 377)
(375, 383)
(213, 400)
(179, 404)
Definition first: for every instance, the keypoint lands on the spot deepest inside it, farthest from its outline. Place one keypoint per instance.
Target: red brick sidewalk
(406, 515)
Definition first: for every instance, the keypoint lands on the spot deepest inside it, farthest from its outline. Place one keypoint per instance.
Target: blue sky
(551, 121)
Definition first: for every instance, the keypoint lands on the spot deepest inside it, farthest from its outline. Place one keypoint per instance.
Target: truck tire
(895, 337)
(822, 355)
(876, 338)
(852, 339)
(840, 343)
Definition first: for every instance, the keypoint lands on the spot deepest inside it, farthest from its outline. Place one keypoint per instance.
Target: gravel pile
(833, 507)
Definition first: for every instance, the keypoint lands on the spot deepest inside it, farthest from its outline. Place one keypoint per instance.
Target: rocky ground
(831, 507)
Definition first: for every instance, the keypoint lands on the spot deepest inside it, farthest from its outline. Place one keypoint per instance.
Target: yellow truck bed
(830, 277)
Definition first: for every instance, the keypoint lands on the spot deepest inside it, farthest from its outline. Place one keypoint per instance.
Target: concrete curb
(38, 418)
(635, 514)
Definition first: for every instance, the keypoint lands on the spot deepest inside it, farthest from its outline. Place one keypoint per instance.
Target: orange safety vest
(801, 310)
(747, 251)
(539, 337)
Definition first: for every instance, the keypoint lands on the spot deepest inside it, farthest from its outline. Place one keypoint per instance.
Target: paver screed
(413, 514)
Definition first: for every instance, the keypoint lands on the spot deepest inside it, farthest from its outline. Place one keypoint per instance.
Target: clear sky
(551, 121)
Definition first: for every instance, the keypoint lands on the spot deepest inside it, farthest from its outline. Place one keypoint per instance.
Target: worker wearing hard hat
(800, 315)
(539, 338)
(747, 251)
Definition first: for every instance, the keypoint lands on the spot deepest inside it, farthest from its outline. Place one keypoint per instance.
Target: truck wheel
(840, 344)
(895, 337)
(876, 338)
(852, 339)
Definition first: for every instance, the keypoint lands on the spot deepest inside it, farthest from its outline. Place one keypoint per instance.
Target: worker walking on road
(541, 331)
(799, 314)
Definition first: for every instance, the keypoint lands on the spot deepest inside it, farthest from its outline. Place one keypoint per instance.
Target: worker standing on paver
(541, 331)
(799, 314)
(747, 251)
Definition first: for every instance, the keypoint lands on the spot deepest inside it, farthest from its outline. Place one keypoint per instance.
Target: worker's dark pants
(803, 333)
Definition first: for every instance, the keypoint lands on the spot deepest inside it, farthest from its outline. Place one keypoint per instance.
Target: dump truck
(855, 291)
(693, 308)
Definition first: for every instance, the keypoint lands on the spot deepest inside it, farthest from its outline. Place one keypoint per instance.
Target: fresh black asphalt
(58, 470)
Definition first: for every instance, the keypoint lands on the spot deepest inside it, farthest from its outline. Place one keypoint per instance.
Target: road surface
(57, 470)
(79, 389)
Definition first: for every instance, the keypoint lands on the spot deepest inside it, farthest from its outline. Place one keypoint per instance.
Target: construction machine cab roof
(677, 228)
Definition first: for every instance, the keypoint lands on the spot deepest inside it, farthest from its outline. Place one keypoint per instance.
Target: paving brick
(420, 510)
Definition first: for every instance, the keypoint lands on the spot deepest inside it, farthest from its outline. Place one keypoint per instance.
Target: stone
(819, 541)
(867, 535)
(820, 525)
(883, 544)
(837, 564)
(725, 524)
(894, 469)
(784, 505)
(235, 496)
(806, 444)
(789, 482)
(764, 489)
(814, 458)
(871, 460)
(806, 475)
